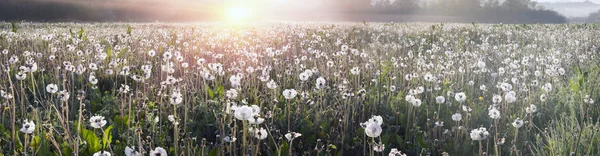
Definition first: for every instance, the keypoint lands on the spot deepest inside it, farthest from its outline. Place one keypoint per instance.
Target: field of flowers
(299, 89)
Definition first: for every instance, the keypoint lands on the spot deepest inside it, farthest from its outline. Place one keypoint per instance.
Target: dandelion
(497, 99)
(456, 116)
(292, 135)
(440, 99)
(289, 93)
(64, 95)
(500, 141)
(510, 97)
(21, 75)
(547, 87)
(587, 99)
(466, 108)
(256, 120)
(439, 124)
(392, 88)
(158, 151)
(505, 87)
(92, 79)
(408, 77)
(102, 153)
(428, 77)
(416, 102)
(229, 139)
(396, 152)
(531, 109)
(176, 97)
(28, 127)
(124, 89)
(235, 80)
(517, 123)
(320, 83)
(173, 119)
(494, 113)
(460, 97)
(373, 126)
(243, 113)
(355, 71)
(131, 152)
(304, 76)
(261, 134)
(480, 133)
(543, 97)
(378, 147)
(420, 89)
(93, 66)
(5, 94)
(481, 64)
(97, 121)
(271, 84)
(231, 93)
(52, 88)
(151, 53)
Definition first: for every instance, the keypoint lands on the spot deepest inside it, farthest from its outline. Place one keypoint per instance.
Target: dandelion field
(299, 89)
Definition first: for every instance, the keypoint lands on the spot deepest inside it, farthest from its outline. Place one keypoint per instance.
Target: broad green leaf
(92, 140)
(107, 137)
(210, 93)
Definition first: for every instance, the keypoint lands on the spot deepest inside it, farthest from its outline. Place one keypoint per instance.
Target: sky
(595, 1)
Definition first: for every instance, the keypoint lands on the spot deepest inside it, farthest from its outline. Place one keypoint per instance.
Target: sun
(240, 13)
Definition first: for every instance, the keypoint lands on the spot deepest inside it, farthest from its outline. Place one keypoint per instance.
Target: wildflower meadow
(285, 88)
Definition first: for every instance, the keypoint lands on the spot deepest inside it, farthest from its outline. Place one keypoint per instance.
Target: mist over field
(485, 11)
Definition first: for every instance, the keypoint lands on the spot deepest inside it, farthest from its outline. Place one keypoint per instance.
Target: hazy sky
(595, 1)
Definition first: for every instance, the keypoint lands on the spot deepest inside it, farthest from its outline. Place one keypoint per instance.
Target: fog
(484, 11)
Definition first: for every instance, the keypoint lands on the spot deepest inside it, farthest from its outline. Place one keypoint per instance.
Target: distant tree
(406, 6)
(594, 17)
(519, 4)
(470, 4)
(491, 4)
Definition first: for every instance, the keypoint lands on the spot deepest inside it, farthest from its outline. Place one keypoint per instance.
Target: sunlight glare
(240, 13)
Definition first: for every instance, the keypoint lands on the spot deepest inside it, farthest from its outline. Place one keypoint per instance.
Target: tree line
(481, 11)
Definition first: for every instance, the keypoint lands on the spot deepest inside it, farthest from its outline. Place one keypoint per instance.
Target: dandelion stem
(244, 141)
(480, 149)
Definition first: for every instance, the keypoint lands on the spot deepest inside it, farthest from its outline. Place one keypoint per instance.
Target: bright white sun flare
(240, 13)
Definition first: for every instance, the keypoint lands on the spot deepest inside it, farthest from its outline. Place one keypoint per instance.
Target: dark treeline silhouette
(481, 11)
(594, 17)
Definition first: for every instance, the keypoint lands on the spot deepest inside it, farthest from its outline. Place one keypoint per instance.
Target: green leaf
(122, 52)
(220, 90)
(108, 53)
(107, 137)
(120, 122)
(210, 93)
(92, 140)
(65, 148)
(399, 139)
(213, 152)
(80, 33)
(35, 142)
(420, 141)
(128, 29)
(284, 149)
(14, 27)
(43, 146)
(151, 104)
